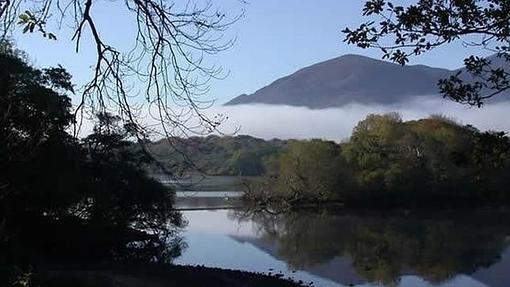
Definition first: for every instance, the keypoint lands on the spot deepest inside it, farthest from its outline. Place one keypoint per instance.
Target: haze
(274, 121)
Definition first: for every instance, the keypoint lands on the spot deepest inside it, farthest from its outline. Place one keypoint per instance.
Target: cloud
(270, 121)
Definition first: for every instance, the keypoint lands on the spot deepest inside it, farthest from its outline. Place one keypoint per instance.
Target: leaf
(24, 18)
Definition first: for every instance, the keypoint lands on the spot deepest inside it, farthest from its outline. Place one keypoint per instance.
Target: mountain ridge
(347, 79)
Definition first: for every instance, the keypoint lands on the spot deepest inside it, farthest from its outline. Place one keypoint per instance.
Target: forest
(387, 161)
(433, 162)
(216, 155)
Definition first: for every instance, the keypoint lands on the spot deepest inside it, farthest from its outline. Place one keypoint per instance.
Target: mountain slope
(347, 79)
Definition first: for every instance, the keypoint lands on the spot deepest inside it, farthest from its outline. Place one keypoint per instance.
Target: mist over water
(286, 122)
(290, 122)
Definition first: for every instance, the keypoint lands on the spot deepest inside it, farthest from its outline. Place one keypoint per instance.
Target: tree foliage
(389, 162)
(378, 149)
(402, 31)
(310, 171)
(35, 114)
(69, 200)
(215, 155)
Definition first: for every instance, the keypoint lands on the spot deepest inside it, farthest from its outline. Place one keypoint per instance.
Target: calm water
(362, 249)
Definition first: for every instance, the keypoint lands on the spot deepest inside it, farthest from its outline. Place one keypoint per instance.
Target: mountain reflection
(381, 248)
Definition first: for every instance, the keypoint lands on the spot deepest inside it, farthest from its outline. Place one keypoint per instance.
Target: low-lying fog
(270, 121)
(285, 122)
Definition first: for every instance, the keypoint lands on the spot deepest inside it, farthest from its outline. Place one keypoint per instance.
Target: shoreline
(159, 275)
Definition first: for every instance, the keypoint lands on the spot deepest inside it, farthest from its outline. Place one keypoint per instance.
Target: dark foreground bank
(163, 275)
(67, 253)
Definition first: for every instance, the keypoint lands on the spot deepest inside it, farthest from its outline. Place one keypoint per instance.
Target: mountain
(339, 269)
(348, 79)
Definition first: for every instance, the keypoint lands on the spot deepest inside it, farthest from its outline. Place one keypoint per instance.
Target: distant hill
(348, 79)
(214, 155)
(496, 63)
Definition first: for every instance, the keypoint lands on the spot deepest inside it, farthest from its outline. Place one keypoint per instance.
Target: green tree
(427, 161)
(214, 155)
(384, 152)
(491, 160)
(311, 171)
(246, 163)
(444, 146)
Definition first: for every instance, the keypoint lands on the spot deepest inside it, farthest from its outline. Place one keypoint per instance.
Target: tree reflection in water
(42, 252)
(383, 247)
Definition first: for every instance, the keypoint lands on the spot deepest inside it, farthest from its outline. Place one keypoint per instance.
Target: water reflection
(336, 249)
(190, 200)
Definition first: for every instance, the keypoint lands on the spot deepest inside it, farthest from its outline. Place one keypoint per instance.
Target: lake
(349, 248)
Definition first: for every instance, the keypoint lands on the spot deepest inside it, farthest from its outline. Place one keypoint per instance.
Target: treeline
(390, 162)
(215, 155)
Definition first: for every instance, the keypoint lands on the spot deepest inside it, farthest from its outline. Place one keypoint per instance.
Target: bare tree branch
(161, 85)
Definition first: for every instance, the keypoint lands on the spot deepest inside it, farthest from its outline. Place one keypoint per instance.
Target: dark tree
(400, 32)
(62, 199)
(35, 113)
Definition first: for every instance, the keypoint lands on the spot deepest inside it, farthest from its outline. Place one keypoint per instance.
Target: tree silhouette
(166, 70)
(62, 199)
(400, 32)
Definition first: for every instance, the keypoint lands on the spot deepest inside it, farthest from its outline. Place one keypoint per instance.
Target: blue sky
(274, 39)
